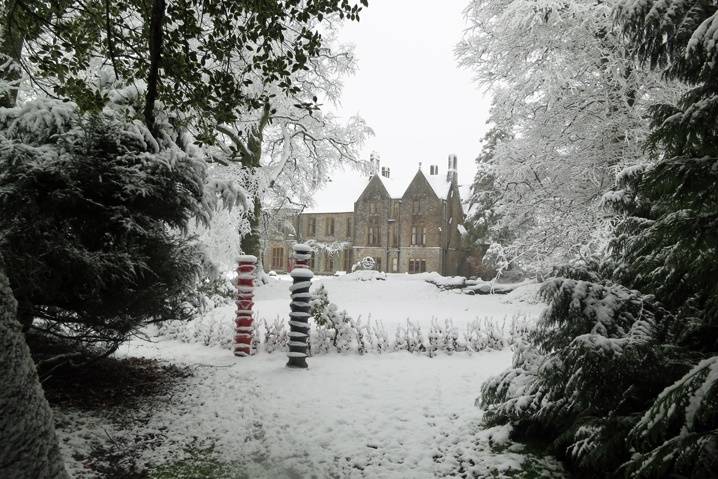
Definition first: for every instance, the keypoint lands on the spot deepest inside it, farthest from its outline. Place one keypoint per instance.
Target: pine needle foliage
(92, 221)
(620, 377)
(668, 239)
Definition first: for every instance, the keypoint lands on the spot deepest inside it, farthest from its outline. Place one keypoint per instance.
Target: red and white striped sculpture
(299, 317)
(246, 272)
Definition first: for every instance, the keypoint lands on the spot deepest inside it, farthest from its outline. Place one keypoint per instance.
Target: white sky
(409, 89)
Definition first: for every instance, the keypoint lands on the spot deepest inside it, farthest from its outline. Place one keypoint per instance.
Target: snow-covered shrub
(381, 338)
(217, 289)
(323, 312)
(365, 275)
(365, 264)
(93, 214)
(488, 335)
(337, 332)
(588, 370)
(410, 338)
(275, 335)
(331, 325)
(527, 293)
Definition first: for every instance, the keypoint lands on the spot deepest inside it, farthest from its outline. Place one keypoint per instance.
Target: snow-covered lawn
(393, 301)
(395, 415)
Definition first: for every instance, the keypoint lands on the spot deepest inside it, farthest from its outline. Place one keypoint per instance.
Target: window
(277, 258)
(416, 206)
(395, 265)
(329, 263)
(349, 227)
(418, 235)
(374, 232)
(329, 227)
(347, 261)
(311, 226)
(417, 266)
(394, 237)
(373, 239)
(378, 263)
(395, 210)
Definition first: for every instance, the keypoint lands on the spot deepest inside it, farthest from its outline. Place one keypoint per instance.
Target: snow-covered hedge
(360, 335)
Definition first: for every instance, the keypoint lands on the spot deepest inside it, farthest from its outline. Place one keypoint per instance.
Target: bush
(92, 218)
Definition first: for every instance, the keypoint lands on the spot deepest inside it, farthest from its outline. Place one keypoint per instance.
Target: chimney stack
(451, 174)
(375, 163)
(433, 170)
(385, 172)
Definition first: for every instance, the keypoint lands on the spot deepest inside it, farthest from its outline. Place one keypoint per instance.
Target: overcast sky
(409, 89)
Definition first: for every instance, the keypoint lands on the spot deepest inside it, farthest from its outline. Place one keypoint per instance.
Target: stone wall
(420, 208)
(320, 221)
(267, 260)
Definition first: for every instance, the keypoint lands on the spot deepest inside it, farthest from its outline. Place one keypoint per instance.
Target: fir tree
(92, 221)
(666, 245)
(620, 381)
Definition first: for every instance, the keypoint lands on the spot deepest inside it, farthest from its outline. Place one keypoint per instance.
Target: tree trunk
(11, 41)
(153, 77)
(28, 445)
(251, 156)
(250, 243)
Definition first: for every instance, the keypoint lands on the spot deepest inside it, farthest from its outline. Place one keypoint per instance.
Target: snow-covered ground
(392, 415)
(393, 301)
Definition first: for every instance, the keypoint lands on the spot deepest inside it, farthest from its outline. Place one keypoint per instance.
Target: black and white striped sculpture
(299, 317)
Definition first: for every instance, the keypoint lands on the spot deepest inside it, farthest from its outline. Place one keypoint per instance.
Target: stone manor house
(406, 228)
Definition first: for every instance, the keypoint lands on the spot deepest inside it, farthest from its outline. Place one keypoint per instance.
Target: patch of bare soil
(110, 383)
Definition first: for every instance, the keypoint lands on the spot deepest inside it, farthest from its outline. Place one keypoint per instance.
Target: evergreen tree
(92, 214)
(621, 382)
(666, 245)
(485, 206)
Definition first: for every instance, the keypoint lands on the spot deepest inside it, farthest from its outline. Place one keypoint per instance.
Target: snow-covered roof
(439, 184)
(339, 195)
(394, 187)
(346, 187)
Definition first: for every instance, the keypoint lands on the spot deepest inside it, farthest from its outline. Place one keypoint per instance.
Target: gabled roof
(339, 195)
